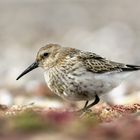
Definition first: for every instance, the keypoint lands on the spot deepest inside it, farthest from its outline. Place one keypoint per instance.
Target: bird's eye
(45, 54)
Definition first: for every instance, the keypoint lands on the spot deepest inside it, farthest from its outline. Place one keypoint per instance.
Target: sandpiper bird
(77, 75)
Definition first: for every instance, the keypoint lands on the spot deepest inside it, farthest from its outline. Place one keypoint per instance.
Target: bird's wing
(98, 64)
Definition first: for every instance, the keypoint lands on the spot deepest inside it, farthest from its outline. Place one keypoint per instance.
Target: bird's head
(46, 58)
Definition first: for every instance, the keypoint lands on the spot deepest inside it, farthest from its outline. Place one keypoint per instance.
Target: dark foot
(84, 110)
(87, 107)
(97, 99)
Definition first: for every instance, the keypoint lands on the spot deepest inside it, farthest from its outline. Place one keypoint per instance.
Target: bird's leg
(85, 105)
(87, 108)
(97, 99)
(84, 108)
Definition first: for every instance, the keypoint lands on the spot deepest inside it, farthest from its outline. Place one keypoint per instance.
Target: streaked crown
(48, 55)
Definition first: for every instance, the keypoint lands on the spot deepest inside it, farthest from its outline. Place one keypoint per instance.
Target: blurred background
(110, 28)
(106, 27)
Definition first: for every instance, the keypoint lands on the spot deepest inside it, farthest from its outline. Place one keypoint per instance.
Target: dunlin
(78, 75)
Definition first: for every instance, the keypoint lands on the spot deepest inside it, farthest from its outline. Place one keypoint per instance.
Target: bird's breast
(79, 84)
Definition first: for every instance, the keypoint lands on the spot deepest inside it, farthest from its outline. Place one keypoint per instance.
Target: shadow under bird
(77, 75)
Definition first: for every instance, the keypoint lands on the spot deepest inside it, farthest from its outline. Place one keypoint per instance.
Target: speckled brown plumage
(77, 75)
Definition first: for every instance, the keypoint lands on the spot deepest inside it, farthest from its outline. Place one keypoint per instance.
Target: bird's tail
(131, 68)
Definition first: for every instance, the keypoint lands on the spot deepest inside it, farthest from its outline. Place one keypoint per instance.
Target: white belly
(85, 84)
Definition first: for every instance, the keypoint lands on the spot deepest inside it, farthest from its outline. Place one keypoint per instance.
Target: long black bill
(30, 68)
